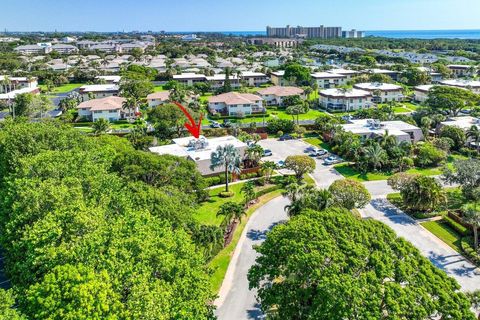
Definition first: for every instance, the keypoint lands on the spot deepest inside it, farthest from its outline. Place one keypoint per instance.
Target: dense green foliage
(331, 265)
(92, 228)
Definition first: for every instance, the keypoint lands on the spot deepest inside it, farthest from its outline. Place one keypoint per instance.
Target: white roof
(99, 88)
(425, 87)
(377, 86)
(19, 79)
(461, 83)
(350, 93)
(110, 78)
(327, 75)
(221, 77)
(252, 74)
(462, 122)
(343, 71)
(180, 147)
(12, 94)
(382, 71)
(362, 126)
(189, 76)
(279, 73)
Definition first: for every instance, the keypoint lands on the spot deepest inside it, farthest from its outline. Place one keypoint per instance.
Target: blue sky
(239, 15)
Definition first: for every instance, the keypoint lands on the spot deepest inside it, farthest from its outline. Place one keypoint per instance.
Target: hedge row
(470, 252)
(462, 230)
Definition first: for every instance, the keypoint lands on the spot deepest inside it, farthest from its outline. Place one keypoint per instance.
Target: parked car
(281, 164)
(267, 153)
(286, 137)
(321, 152)
(215, 124)
(332, 160)
(309, 149)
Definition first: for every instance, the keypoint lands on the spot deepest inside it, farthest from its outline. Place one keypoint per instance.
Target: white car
(332, 160)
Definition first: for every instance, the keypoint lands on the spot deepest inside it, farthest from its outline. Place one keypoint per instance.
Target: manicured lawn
(220, 263)
(312, 114)
(401, 110)
(158, 88)
(443, 231)
(317, 142)
(63, 89)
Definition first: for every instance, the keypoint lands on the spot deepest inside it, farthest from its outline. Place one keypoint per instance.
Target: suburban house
(471, 85)
(109, 108)
(158, 98)
(235, 104)
(327, 80)
(421, 92)
(382, 92)
(277, 78)
(189, 79)
(275, 95)
(369, 128)
(461, 70)
(217, 81)
(345, 99)
(254, 79)
(200, 150)
(8, 84)
(97, 91)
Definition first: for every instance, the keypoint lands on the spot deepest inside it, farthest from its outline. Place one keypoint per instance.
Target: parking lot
(323, 175)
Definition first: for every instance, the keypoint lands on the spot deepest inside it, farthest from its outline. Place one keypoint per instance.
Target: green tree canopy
(332, 265)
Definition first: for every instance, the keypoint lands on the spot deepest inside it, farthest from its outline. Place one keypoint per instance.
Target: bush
(462, 230)
(468, 152)
(469, 251)
(275, 125)
(225, 194)
(456, 134)
(213, 181)
(429, 156)
(267, 190)
(260, 181)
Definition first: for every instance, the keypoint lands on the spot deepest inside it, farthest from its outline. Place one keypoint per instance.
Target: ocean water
(399, 34)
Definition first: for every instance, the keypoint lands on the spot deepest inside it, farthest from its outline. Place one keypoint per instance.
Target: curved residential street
(237, 302)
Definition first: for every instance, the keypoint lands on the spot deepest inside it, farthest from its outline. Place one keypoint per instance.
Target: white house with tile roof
(235, 103)
(276, 94)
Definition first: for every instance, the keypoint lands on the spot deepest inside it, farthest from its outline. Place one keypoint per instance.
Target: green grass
(158, 89)
(317, 142)
(312, 114)
(445, 233)
(220, 263)
(63, 88)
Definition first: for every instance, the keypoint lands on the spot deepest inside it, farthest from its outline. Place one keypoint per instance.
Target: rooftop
(232, 98)
(327, 75)
(281, 91)
(103, 104)
(462, 122)
(161, 95)
(341, 93)
(463, 83)
(99, 88)
(365, 126)
(370, 86)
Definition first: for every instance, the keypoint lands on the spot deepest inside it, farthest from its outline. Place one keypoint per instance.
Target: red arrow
(193, 127)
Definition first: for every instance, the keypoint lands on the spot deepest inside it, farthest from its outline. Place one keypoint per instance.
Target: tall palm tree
(474, 134)
(253, 155)
(227, 157)
(427, 123)
(268, 167)
(472, 216)
(249, 194)
(293, 191)
(387, 140)
(130, 104)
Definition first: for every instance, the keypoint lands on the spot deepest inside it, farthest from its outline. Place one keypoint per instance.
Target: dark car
(215, 124)
(267, 153)
(286, 137)
(226, 123)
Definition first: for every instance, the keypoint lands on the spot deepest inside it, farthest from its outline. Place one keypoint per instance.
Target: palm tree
(253, 155)
(101, 126)
(293, 191)
(130, 104)
(232, 213)
(471, 216)
(248, 190)
(210, 238)
(426, 125)
(228, 157)
(474, 134)
(387, 140)
(374, 155)
(268, 167)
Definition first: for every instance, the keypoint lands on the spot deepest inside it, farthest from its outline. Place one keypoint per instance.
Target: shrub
(225, 194)
(462, 230)
(468, 152)
(469, 251)
(456, 134)
(213, 181)
(267, 190)
(429, 156)
(275, 125)
(260, 182)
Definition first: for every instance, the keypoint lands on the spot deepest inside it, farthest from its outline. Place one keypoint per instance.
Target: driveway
(323, 175)
(439, 253)
(235, 300)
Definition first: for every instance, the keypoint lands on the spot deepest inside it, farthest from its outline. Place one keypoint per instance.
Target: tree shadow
(255, 313)
(391, 212)
(257, 235)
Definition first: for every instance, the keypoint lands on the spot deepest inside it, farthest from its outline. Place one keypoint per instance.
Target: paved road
(236, 300)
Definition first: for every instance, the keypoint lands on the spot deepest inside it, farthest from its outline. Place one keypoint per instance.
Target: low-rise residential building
(96, 91)
(369, 128)
(472, 85)
(462, 70)
(189, 79)
(8, 83)
(277, 78)
(217, 81)
(64, 48)
(200, 151)
(235, 104)
(327, 80)
(392, 74)
(109, 79)
(341, 100)
(8, 97)
(32, 49)
(158, 98)
(349, 74)
(254, 79)
(276, 94)
(464, 123)
(109, 108)
(421, 92)
(382, 92)
(277, 42)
